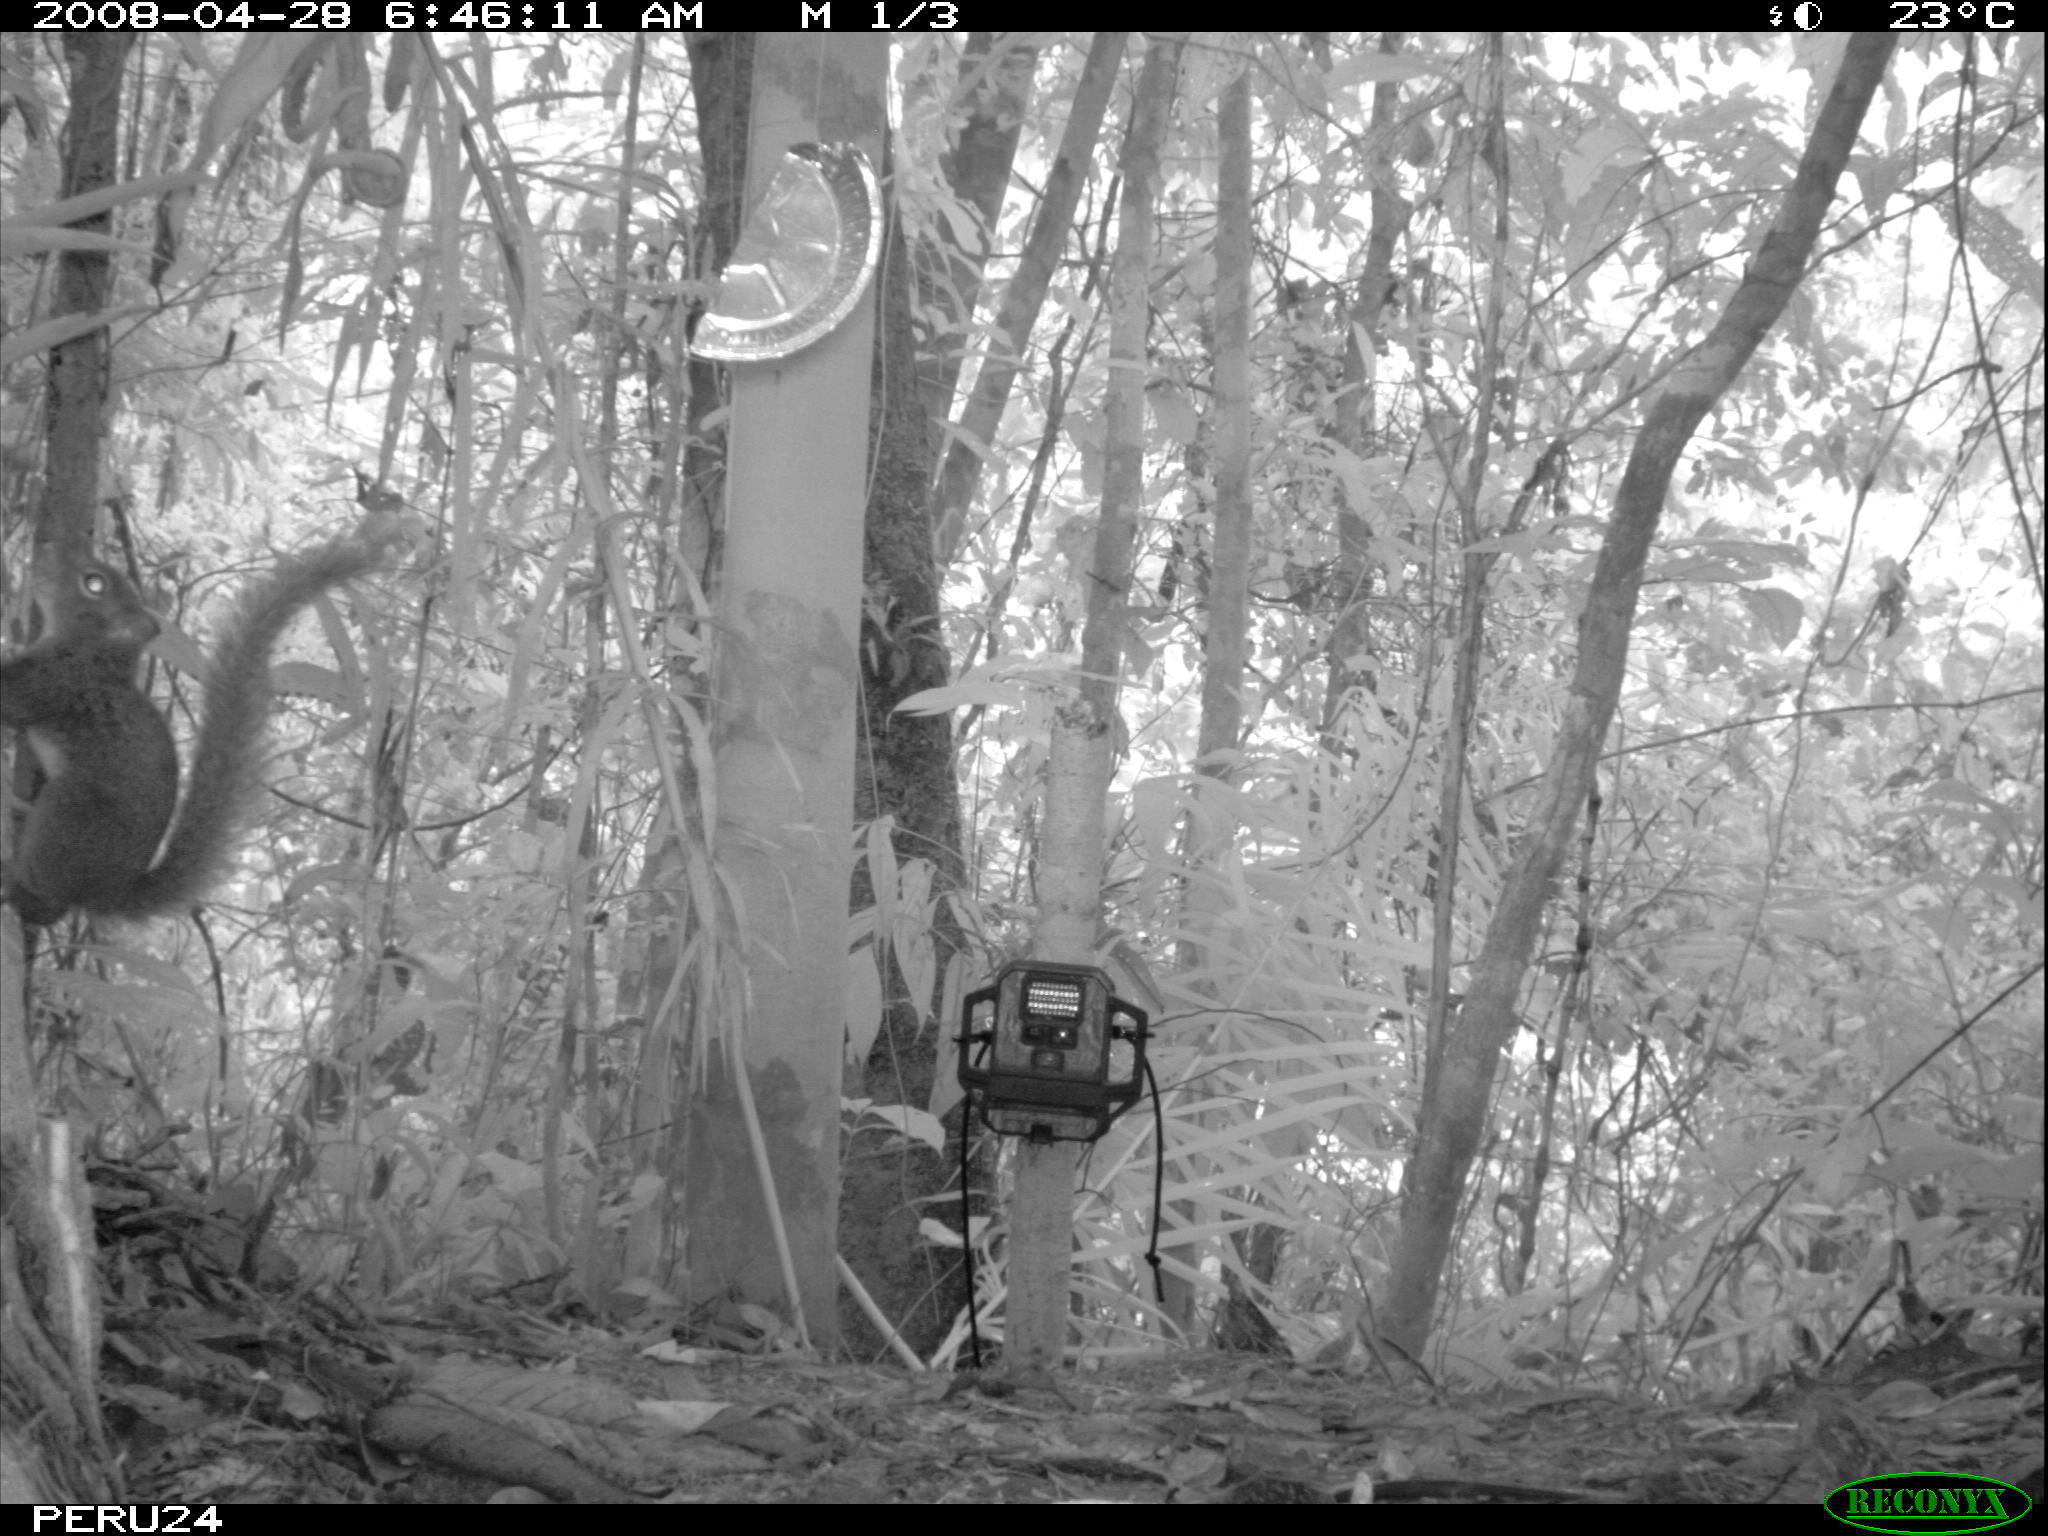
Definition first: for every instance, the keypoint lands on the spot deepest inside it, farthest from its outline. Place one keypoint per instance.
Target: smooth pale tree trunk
(786, 685)
(1085, 728)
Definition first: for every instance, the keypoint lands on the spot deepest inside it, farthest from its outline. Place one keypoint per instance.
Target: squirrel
(109, 768)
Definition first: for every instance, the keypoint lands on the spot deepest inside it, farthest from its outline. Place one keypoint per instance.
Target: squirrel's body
(109, 767)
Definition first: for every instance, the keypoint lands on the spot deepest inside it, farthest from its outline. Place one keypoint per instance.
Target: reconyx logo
(1925, 1502)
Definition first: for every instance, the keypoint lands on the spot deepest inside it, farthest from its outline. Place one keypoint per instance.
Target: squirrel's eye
(93, 583)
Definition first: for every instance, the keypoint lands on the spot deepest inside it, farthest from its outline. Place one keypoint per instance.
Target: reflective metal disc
(806, 255)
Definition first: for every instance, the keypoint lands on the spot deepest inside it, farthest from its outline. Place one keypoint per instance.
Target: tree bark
(53, 1448)
(1085, 727)
(995, 86)
(904, 773)
(1226, 644)
(1458, 1099)
(764, 1133)
(983, 412)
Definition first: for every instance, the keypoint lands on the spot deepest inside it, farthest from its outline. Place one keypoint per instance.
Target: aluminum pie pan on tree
(807, 254)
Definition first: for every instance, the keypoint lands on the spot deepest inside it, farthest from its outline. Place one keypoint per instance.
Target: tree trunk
(1457, 1098)
(763, 1189)
(905, 773)
(53, 1449)
(1086, 726)
(1054, 221)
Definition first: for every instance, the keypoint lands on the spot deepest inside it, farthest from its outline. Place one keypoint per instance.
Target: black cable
(967, 1228)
